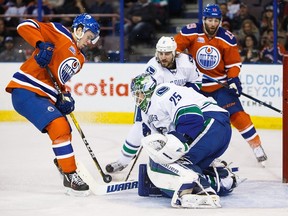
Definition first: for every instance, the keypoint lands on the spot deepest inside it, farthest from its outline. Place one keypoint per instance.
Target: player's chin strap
(94, 41)
(77, 36)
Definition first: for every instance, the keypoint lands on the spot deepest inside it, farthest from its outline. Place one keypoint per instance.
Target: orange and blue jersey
(67, 59)
(217, 57)
(268, 52)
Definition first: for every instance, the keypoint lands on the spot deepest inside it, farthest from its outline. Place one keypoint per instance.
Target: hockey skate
(115, 167)
(260, 155)
(57, 166)
(200, 198)
(222, 177)
(75, 185)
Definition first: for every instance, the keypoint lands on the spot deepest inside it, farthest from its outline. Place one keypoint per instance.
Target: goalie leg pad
(145, 186)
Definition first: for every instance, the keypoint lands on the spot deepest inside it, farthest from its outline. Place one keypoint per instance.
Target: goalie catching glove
(65, 103)
(235, 86)
(164, 149)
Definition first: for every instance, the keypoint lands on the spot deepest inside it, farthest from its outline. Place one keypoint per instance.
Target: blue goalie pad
(145, 186)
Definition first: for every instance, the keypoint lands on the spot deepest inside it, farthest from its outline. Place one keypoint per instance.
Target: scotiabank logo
(102, 87)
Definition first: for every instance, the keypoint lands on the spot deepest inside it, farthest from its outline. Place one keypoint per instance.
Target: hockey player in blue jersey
(188, 133)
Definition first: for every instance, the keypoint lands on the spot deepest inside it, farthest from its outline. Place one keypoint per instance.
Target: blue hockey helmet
(87, 22)
(212, 11)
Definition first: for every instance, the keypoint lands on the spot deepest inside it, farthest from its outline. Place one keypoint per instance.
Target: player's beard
(211, 31)
(165, 64)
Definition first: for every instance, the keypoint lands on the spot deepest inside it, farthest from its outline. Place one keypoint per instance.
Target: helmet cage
(142, 88)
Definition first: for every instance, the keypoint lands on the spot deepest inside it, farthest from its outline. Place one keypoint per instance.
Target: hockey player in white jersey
(166, 67)
(188, 132)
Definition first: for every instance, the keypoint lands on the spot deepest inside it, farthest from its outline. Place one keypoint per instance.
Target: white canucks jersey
(185, 72)
(169, 102)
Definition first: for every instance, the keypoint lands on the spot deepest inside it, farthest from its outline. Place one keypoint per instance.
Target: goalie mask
(87, 22)
(142, 88)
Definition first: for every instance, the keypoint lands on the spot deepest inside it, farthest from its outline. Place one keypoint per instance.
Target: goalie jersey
(67, 59)
(170, 103)
(217, 57)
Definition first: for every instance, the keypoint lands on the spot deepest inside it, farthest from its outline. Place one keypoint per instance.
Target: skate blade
(263, 164)
(71, 192)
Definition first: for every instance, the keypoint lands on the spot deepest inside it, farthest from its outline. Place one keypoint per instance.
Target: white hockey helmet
(166, 44)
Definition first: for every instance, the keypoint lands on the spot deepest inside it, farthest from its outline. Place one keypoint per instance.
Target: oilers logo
(208, 57)
(67, 69)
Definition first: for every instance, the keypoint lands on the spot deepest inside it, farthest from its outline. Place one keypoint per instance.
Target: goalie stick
(106, 178)
(134, 162)
(244, 94)
(104, 189)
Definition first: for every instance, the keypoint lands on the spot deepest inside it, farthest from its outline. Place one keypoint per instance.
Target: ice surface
(30, 184)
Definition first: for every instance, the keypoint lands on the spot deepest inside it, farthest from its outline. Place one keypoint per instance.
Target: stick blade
(104, 189)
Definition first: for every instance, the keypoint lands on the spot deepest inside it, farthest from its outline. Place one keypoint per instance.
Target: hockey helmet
(166, 44)
(87, 22)
(212, 11)
(142, 88)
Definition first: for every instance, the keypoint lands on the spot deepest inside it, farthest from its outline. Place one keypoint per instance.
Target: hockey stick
(106, 178)
(244, 94)
(104, 189)
(134, 162)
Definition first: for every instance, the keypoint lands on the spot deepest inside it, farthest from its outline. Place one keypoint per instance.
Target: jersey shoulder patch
(151, 66)
(151, 70)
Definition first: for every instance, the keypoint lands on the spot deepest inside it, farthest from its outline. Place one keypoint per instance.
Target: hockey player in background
(166, 67)
(34, 95)
(188, 132)
(216, 54)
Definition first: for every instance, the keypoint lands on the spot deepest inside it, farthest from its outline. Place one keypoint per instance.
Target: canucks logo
(67, 69)
(208, 57)
(151, 70)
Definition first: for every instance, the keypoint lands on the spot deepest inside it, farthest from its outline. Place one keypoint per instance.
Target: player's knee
(241, 120)
(59, 130)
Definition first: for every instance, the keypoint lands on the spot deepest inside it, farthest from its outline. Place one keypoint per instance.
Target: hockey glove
(65, 104)
(235, 86)
(44, 56)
